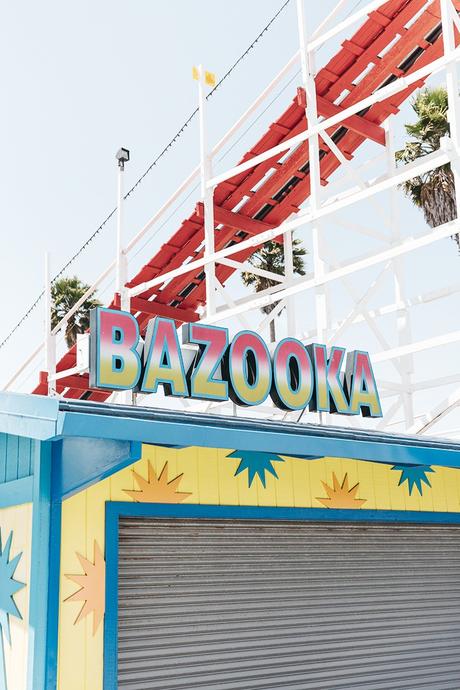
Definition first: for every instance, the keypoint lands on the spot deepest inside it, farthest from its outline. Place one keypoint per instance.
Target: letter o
(292, 361)
(249, 370)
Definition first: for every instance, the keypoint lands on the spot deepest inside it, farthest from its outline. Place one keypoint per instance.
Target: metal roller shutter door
(301, 606)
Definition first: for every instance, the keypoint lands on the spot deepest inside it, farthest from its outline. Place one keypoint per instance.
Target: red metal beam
(157, 309)
(356, 123)
(235, 221)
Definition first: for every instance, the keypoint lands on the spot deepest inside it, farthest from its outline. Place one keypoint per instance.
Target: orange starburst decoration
(340, 495)
(157, 489)
(92, 587)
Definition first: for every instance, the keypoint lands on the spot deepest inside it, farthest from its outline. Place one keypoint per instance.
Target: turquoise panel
(16, 457)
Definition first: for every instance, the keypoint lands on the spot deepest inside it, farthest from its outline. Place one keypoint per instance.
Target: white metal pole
(311, 112)
(122, 268)
(49, 338)
(122, 156)
(207, 196)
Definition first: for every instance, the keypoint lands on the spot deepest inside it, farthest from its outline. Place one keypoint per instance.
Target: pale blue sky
(82, 79)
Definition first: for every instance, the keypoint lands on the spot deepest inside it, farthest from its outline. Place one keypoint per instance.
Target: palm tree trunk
(272, 331)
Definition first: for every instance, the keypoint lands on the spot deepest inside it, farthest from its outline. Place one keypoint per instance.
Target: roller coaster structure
(288, 182)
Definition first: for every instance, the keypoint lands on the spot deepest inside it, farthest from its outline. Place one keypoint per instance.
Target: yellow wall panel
(187, 465)
(437, 481)
(17, 521)
(301, 484)
(381, 485)
(446, 485)
(123, 480)
(209, 476)
(72, 638)
(228, 488)
(284, 488)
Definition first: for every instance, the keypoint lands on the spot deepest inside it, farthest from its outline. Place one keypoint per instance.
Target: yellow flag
(196, 73)
(210, 78)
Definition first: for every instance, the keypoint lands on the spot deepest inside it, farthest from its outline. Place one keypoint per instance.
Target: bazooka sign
(207, 365)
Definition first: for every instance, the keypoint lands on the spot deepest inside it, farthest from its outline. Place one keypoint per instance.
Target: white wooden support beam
(390, 413)
(289, 273)
(393, 307)
(380, 95)
(228, 300)
(408, 245)
(243, 266)
(49, 338)
(406, 172)
(437, 413)
(417, 346)
(207, 197)
(403, 324)
(359, 307)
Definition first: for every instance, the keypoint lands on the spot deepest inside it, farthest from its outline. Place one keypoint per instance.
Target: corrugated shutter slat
(251, 605)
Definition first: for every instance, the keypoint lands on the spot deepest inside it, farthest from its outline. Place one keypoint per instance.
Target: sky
(82, 79)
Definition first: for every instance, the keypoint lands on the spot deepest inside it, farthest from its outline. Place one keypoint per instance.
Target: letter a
(163, 359)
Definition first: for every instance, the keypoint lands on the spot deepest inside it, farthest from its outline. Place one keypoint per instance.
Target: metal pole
(207, 196)
(50, 339)
(311, 112)
(122, 157)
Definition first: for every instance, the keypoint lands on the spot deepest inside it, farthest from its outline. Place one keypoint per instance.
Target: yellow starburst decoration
(340, 495)
(92, 587)
(157, 489)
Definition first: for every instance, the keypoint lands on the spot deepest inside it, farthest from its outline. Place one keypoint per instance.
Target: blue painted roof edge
(165, 427)
(45, 418)
(33, 416)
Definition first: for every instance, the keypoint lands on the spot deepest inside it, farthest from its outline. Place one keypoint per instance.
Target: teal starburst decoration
(8, 586)
(256, 463)
(414, 475)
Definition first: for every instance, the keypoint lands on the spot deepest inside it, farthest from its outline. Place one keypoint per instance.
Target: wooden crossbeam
(356, 123)
(236, 221)
(157, 309)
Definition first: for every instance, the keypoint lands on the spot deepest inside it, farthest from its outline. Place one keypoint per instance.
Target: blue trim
(33, 416)
(85, 461)
(17, 492)
(165, 427)
(111, 598)
(38, 614)
(53, 598)
(114, 510)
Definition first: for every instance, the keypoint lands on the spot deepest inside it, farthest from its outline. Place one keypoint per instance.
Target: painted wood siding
(216, 476)
(16, 457)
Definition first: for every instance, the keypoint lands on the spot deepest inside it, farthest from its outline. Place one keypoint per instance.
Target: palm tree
(270, 257)
(434, 191)
(65, 292)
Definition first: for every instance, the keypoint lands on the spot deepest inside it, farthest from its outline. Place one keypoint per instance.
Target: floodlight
(122, 157)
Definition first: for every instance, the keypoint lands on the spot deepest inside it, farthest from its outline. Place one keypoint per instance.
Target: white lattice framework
(354, 187)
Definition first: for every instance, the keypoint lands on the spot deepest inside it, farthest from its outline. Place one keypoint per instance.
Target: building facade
(149, 549)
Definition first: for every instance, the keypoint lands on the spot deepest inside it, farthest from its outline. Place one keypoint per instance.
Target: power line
(147, 171)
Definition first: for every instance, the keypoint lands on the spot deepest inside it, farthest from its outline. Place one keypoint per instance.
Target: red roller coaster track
(395, 40)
